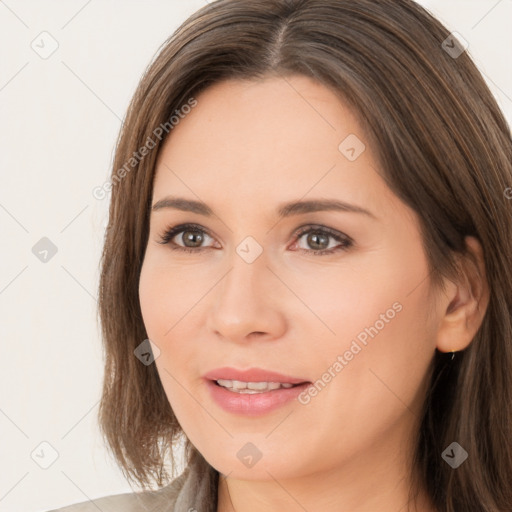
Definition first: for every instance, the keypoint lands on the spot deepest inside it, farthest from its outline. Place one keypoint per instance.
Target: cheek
(168, 298)
(379, 298)
(376, 388)
(166, 294)
(163, 299)
(373, 312)
(371, 376)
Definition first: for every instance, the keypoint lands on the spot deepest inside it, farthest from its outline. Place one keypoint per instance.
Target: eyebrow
(284, 210)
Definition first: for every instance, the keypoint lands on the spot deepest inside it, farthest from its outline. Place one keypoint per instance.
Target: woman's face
(250, 291)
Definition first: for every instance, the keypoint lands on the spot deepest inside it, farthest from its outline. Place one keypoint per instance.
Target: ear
(465, 302)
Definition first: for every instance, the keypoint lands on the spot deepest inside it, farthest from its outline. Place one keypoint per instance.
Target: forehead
(296, 108)
(268, 140)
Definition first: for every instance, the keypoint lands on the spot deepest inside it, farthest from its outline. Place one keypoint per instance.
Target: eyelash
(346, 242)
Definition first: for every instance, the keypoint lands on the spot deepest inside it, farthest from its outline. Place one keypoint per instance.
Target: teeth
(251, 387)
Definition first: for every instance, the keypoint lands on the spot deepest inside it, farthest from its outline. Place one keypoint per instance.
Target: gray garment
(195, 490)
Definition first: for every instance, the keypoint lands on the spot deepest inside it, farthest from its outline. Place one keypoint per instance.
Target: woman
(306, 269)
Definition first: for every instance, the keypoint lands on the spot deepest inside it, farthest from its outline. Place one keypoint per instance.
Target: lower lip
(253, 404)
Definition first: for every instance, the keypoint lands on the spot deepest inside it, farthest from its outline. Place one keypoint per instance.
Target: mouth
(254, 397)
(244, 387)
(252, 380)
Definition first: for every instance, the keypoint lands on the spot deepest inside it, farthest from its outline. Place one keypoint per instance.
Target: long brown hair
(445, 150)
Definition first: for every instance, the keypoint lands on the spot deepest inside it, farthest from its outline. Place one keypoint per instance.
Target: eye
(194, 235)
(318, 238)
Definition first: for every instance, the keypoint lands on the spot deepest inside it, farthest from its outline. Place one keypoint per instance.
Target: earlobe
(467, 302)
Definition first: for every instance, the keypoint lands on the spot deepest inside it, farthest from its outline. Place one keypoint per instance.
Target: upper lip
(252, 375)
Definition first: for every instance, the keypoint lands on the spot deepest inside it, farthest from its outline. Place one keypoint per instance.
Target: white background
(59, 120)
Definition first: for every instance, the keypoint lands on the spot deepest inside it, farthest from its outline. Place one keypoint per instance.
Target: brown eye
(318, 240)
(190, 240)
(192, 237)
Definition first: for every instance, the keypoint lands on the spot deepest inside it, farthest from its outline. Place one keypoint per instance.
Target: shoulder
(162, 500)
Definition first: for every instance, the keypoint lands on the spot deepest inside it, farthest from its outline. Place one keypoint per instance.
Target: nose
(247, 302)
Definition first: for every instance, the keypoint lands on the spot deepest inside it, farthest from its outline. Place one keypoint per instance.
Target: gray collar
(200, 486)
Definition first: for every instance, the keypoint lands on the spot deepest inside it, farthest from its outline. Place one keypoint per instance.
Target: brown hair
(445, 150)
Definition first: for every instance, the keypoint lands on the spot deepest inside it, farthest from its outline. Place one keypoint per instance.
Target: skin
(243, 150)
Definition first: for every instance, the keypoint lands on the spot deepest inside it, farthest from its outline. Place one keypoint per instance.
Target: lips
(253, 404)
(252, 375)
